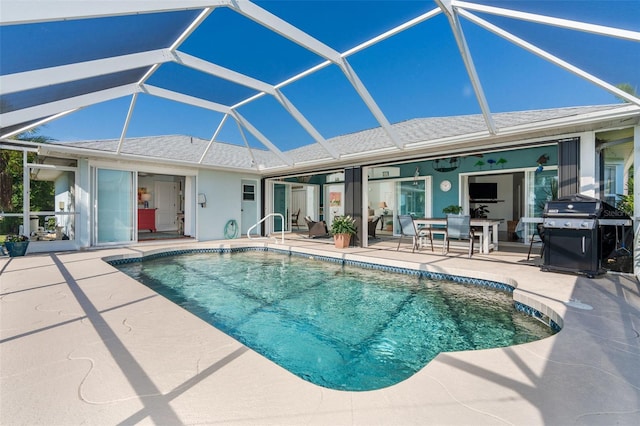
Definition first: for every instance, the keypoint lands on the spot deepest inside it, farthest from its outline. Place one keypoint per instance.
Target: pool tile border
(519, 306)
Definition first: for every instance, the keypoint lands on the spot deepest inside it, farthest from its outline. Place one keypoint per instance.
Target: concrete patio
(82, 343)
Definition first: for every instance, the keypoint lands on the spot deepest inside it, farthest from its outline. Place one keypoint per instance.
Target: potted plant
(389, 225)
(16, 245)
(481, 212)
(452, 209)
(342, 228)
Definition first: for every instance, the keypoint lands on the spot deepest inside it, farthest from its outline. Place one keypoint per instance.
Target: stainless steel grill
(579, 232)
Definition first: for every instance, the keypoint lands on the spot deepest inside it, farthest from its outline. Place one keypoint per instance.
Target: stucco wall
(224, 202)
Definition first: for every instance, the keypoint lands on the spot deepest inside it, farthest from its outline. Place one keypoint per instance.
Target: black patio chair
(537, 237)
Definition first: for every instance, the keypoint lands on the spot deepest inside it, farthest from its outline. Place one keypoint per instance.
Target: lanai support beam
(262, 138)
(302, 120)
(185, 99)
(36, 124)
(549, 57)
(548, 20)
(370, 103)
(303, 39)
(213, 138)
(22, 12)
(127, 121)
(52, 108)
(285, 29)
(51, 76)
(456, 28)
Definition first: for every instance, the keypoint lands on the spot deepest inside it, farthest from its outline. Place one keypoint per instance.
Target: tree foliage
(628, 88)
(12, 182)
(625, 201)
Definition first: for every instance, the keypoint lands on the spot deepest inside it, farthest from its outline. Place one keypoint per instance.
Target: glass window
(611, 184)
(248, 192)
(411, 198)
(541, 187)
(281, 196)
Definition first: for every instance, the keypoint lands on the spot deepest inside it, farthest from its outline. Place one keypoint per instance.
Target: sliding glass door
(281, 201)
(542, 186)
(115, 209)
(412, 198)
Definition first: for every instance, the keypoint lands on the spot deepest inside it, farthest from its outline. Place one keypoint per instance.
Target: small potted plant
(388, 226)
(342, 228)
(481, 212)
(452, 209)
(16, 245)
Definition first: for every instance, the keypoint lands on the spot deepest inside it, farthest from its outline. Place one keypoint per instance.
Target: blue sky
(418, 73)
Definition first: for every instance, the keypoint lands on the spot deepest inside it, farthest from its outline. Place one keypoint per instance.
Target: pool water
(337, 326)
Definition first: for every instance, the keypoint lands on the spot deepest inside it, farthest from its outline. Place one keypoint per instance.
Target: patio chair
(537, 237)
(316, 229)
(373, 223)
(459, 228)
(294, 219)
(408, 229)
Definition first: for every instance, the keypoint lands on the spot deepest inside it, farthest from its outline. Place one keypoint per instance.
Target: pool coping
(76, 333)
(527, 305)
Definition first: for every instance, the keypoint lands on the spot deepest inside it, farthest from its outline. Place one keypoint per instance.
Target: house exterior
(73, 56)
(209, 191)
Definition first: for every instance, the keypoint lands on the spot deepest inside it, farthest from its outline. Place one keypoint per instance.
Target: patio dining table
(488, 238)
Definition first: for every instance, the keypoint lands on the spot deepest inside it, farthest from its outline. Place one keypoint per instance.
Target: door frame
(463, 198)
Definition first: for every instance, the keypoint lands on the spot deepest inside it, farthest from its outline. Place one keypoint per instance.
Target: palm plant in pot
(16, 245)
(343, 228)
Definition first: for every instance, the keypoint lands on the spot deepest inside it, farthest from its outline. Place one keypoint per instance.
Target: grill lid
(582, 206)
(576, 205)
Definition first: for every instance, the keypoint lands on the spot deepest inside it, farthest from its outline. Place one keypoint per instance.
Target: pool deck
(82, 343)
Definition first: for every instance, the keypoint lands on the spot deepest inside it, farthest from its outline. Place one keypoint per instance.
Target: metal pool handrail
(262, 220)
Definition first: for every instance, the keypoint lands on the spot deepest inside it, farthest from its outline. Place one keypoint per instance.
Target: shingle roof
(223, 155)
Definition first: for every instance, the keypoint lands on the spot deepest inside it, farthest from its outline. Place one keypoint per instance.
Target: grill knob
(567, 224)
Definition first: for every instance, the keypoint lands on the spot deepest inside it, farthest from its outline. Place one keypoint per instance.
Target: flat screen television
(483, 190)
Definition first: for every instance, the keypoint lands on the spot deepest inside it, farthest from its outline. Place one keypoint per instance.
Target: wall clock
(445, 186)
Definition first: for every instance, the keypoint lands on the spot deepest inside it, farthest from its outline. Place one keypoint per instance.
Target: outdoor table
(488, 241)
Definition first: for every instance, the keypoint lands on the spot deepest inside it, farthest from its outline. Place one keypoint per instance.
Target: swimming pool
(337, 326)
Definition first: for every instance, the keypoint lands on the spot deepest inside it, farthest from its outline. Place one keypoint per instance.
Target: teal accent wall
(515, 159)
